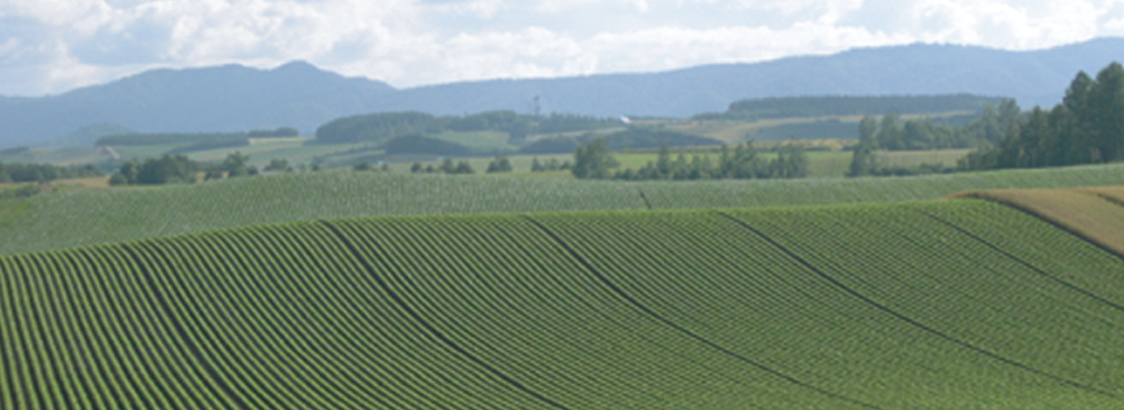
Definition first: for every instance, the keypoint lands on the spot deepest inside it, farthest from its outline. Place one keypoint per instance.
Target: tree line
(595, 161)
(179, 169)
(820, 106)
(381, 127)
(1086, 128)
(44, 172)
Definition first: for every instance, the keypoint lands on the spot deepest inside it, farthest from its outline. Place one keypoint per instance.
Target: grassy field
(85, 217)
(925, 305)
(1081, 211)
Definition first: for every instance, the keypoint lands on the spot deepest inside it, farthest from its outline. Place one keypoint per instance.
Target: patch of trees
(550, 165)
(595, 161)
(418, 144)
(1086, 128)
(499, 164)
(169, 169)
(178, 169)
(447, 167)
(381, 127)
(820, 106)
(890, 133)
(44, 172)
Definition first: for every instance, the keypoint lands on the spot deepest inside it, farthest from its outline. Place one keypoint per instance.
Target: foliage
(382, 127)
(236, 165)
(593, 160)
(44, 172)
(550, 165)
(1086, 128)
(822, 106)
(791, 162)
(499, 164)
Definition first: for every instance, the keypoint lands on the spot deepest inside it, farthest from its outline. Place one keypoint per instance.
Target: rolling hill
(235, 98)
(86, 217)
(922, 305)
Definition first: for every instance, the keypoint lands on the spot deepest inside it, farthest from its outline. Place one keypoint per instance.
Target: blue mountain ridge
(298, 94)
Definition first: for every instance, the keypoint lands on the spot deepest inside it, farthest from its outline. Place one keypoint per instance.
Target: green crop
(937, 305)
(89, 217)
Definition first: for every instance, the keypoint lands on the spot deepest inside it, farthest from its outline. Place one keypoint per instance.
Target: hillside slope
(235, 98)
(926, 305)
(1091, 213)
(100, 216)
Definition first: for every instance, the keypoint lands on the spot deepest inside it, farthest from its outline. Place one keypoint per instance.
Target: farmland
(946, 305)
(85, 217)
(1083, 211)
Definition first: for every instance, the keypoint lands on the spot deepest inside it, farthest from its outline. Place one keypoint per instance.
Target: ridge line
(905, 318)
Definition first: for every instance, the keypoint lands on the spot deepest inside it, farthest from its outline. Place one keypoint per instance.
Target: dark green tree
(235, 165)
(594, 160)
(499, 164)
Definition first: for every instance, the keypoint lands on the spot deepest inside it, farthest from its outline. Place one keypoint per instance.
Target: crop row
(924, 305)
(104, 216)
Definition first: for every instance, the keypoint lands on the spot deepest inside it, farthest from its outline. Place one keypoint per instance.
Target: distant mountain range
(237, 98)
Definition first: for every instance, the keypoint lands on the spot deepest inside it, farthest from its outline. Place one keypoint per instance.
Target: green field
(85, 217)
(936, 305)
(1090, 213)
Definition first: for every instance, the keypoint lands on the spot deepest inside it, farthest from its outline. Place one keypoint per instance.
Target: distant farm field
(85, 217)
(938, 305)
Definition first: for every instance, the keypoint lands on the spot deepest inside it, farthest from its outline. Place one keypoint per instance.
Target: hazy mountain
(233, 98)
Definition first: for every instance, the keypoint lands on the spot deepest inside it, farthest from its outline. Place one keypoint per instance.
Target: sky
(51, 46)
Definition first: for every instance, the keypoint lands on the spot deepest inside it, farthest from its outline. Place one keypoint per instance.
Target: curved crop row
(89, 217)
(925, 305)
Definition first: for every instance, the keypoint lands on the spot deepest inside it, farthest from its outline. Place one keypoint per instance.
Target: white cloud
(60, 44)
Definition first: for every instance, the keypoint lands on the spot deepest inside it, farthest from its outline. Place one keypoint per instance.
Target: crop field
(940, 305)
(1081, 211)
(79, 218)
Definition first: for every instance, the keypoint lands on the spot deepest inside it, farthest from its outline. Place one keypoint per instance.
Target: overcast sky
(50, 46)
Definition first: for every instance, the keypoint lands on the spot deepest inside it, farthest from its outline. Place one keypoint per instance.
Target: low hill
(303, 96)
(98, 216)
(936, 305)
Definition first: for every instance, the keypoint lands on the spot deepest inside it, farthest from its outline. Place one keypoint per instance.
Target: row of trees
(594, 161)
(820, 106)
(179, 169)
(381, 127)
(550, 165)
(1086, 128)
(44, 172)
(447, 167)
(891, 133)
